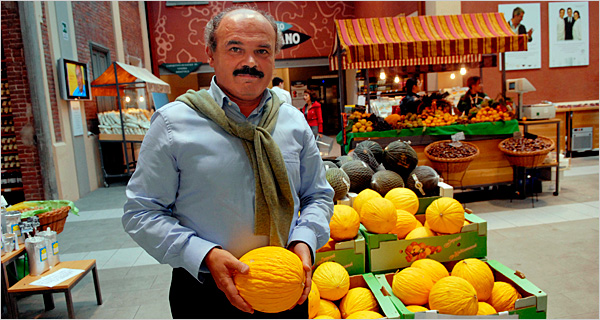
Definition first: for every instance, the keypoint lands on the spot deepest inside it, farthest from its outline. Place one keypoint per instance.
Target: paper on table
(56, 277)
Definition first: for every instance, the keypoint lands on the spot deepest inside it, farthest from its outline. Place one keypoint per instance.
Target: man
(202, 194)
(80, 90)
(283, 94)
(516, 26)
(569, 21)
(560, 25)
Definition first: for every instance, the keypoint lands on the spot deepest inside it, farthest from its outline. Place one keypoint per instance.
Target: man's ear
(209, 53)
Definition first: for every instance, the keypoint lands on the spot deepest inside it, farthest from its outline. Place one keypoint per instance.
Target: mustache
(249, 71)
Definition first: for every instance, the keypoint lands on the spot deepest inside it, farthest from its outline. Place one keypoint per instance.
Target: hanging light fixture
(382, 74)
(127, 99)
(397, 79)
(463, 71)
(141, 98)
(452, 75)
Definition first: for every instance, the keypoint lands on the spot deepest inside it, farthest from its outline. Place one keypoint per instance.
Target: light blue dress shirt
(193, 188)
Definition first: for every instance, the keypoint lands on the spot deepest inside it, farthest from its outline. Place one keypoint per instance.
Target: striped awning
(422, 40)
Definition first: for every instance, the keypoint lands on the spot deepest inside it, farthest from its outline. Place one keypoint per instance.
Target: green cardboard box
(368, 280)
(350, 254)
(386, 253)
(532, 305)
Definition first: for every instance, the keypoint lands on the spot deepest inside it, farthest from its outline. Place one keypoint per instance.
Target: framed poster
(524, 18)
(568, 29)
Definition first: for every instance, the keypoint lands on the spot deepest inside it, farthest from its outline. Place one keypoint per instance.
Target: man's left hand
(302, 250)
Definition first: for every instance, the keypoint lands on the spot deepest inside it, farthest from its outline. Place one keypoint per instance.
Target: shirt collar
(223, 100)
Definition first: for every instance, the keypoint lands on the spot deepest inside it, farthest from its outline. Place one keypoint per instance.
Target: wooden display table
(24, 286)
(7, 259)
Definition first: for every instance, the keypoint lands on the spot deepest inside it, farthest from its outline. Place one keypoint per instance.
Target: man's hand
(302, 250)
(222, 266)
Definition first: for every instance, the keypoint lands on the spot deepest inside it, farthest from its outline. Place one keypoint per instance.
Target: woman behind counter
(474, 95)
(411, 101)
(312, 113)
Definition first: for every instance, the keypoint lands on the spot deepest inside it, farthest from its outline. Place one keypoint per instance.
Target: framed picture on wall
(524, 18)
(568, 32)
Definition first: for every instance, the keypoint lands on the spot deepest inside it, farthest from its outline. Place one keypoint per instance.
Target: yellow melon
(275, 281)
(332, 279)
(420, 232)
(404, 199)
(485, 309)
(344, 223)
(366, 314)
(328, 308)
(412, 286)
(378, 215)
(453, 295)
(324, 317)
(415, 308)
(434, 269)
(419, 224)
(363, 197)
(405, 223)
(445, 215)
(503, 296)
(330, 245)
(314, 301)
(478, 273)
(358, 299)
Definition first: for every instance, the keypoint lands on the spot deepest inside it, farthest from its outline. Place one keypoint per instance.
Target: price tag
(361, 100)
(456, 139)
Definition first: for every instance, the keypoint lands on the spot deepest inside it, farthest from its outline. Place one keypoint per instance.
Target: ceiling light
(452, 76)
(463, 71)
(127, 99)
(382, 74)
(397, 79)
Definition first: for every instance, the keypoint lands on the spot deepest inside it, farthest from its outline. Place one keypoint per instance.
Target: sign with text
(182, 69)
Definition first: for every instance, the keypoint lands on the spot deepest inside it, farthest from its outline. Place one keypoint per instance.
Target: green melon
(372, 146)
(366, 156)
(400, 157)
(343, 159)
(339, 181)
(359, 173)
(329, 164)
(386, 180)
(429, 179)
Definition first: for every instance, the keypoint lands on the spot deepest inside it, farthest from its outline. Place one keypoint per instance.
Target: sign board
(182, 69)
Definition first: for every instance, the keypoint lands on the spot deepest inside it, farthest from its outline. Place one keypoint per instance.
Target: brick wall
(130, 26)
(18, 85)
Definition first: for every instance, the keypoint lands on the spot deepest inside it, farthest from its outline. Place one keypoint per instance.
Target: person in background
(200, 198)
(312, 113)
(516, 26)
(474, 95)
(576, 26)
(560, 25)
(283, 94)
(569, 21)
(410, 102)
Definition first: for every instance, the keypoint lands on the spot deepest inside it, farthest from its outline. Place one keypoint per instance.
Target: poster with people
(524, 18)
(568, 27)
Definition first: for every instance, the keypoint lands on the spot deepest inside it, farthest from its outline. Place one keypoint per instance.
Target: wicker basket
(450, 165)
(527, 159)
(54, 219)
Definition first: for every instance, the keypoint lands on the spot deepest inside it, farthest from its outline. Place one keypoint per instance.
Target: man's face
(79, 77)
(518, 18)
(569, 12)
(562, 13)
(245, 40)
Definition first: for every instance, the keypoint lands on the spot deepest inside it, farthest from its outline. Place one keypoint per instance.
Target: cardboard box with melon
(396, 236)
(469, 288)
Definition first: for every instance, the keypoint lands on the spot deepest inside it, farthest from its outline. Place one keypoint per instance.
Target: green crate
(350, 254)
(386, 253)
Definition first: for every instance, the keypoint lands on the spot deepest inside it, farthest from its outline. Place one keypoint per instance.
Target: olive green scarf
(274, 204)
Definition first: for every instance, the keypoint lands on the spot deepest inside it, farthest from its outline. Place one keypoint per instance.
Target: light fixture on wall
(452, 76)
(382, 74)
(397, 79)
(463, 71)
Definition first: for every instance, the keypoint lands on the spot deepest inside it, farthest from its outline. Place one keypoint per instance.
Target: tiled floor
(555, 244)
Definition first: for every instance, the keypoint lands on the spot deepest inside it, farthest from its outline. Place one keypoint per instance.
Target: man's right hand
(222, 266)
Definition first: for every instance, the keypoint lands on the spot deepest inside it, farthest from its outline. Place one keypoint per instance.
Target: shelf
(12, 189)
(11, 170)
(119, 137)
(8, 152)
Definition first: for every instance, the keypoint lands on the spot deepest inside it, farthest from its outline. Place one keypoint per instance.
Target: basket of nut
(451, 157)
(526, 152)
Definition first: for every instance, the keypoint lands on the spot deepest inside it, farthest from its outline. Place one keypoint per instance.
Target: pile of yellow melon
(395, 213)
(469, 289)
(330, 296)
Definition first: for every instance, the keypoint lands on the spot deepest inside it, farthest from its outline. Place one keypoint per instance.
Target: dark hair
(410, 83)
(577, 11)
(517, 11)
(473, 81)
(277, 81)
(312, 94)
(561, 9)
(213, 25)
